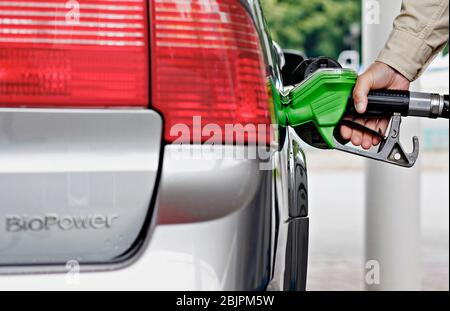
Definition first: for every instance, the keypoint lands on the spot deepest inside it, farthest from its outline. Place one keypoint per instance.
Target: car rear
(117, 159)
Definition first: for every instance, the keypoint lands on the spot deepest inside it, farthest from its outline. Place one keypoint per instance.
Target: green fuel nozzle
(316, 108)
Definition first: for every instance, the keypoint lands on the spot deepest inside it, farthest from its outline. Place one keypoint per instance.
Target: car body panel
(201, 183)
(179, 257)
(229, 252)
(68, 175)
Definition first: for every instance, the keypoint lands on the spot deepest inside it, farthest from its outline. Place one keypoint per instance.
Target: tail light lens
(207, 63)
(85, 53)
(205, 57)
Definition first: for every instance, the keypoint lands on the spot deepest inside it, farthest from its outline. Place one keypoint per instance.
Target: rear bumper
(214, 219)
(200, 183)
(218, 224)
(212, 230)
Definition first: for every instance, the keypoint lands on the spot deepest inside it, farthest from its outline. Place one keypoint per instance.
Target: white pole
(392, 193)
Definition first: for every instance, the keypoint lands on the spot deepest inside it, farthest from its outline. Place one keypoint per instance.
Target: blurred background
(337, 220)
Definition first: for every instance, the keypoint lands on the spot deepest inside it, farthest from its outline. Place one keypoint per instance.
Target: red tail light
(207, 62)
(85, 53)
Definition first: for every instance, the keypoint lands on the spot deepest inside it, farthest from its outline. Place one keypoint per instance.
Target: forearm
(420, 32)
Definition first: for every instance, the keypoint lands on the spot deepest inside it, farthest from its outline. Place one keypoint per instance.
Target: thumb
(360, 92)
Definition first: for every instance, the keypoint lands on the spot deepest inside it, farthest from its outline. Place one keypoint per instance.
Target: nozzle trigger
(390, 149)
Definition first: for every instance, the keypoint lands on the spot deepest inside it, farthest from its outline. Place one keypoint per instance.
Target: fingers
(357, 134)
(363, 85)
(368, 138)
(362, 138)
(380, 128)
(346, 131)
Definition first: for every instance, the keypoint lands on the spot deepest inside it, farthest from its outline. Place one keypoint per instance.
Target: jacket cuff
(405, 53)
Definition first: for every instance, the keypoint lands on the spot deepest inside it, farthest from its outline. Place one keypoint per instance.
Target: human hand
(377, 76)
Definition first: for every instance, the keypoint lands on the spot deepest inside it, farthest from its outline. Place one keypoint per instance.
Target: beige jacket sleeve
(420, 32)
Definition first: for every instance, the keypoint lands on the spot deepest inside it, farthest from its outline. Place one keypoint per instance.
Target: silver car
(117, 166)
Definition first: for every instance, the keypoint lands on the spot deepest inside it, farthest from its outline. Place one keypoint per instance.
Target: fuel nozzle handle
(406, 103)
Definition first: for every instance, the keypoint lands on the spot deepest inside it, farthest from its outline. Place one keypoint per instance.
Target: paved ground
(337, 229)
